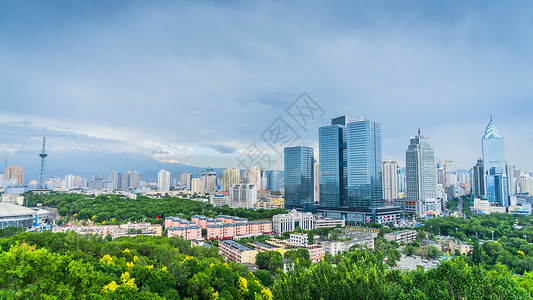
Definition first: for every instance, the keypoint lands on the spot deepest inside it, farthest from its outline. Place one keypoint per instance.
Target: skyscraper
(299, 183)
(478, 184)
(230, 177)
(16, 173)
(494, 165)
(254, 177)
(210, 180)
(390, 180)
(421, 177)
(163, 181)
(185, 180)
(274, 179)
(364, 164)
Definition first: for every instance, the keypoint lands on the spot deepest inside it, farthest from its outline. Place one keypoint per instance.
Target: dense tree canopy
(117, 208)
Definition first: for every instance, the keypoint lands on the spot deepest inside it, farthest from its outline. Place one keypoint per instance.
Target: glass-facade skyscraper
(421, 177)
(494, 165)
(299, 183)
(350, 163)
(364, 164)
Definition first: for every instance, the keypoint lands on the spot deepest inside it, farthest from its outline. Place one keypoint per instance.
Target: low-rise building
(301, 240)
(463, 248)
(316, 252)
(13, 199)
(237, 252)
(404, 236)
(15, 215)
(305, 220)
(128, 229)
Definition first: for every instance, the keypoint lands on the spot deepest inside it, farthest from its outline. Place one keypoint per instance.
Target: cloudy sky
(132, 84)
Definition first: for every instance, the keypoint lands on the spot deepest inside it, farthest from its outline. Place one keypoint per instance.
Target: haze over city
(135, 85)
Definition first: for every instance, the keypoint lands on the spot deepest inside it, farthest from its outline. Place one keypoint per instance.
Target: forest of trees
(117, 208)
(67, 265)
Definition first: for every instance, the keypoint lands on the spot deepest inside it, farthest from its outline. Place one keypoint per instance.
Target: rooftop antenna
(491, 117)
(43, 155)
(418, 130)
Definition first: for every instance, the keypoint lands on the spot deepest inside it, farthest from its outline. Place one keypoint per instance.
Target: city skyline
(429, 66)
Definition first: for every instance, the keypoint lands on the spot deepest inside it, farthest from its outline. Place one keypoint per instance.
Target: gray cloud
(197, 82)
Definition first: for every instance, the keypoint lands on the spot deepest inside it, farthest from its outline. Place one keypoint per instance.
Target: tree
(310, 238)
(477, 254)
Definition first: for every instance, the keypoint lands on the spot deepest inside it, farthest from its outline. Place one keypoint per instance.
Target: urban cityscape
(333, 199)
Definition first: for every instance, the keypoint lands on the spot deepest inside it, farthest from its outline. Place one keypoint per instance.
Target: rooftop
(10, 210)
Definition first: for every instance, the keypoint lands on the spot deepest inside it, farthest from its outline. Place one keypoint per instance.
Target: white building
(197, 185)
(525, 184)
(242, 195)
(390, 180)
(301, 240)
(421, 178)
(254, 176)
(13, 199)
(163, 181)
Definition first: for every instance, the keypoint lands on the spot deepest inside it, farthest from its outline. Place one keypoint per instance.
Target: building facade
(421, 178)
(390, 180)
(299, 176)
(494, 166)
(163, 181)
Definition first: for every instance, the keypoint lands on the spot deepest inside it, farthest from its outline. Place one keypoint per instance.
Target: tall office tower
(274, 178)
(333, 162)
(401, 180)
(364, 164)
(478, 184)
(494, 158)
(525, 184)
(512, 181)
(390, 180)
(264, 180)
(126, 180)
(185, 180)
(299, 183)
(163, 181)
(210, 180)
(440, 174)
(316, 182)
(120, 183)
(254, 176)
(198, 185)
(421, 177)
(14, 172)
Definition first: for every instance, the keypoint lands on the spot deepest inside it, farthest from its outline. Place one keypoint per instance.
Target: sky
(137, 85)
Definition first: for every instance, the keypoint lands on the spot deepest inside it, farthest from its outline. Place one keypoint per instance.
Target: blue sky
(122, 84)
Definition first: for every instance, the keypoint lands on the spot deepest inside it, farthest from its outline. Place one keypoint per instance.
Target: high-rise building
(364, 164)
(254, 177)
(14, 172)
(210, 180)
(242, 196)
(299, 183)
(230, 177)
(401, 180)
(185, 180)
(333, 162)
(478, 185)
(421, 177)
(494, 158)
(525, 184)
(390, 180)
(197, 185)
(316, 179)
(512, 180)
(163, 181)
(274, 179)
